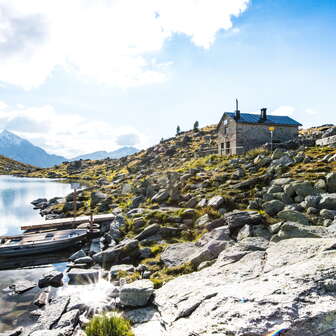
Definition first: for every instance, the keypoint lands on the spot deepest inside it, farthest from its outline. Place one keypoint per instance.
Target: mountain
(19, 149)
(117, 154)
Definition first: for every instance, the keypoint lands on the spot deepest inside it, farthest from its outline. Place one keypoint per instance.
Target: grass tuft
(104, 325)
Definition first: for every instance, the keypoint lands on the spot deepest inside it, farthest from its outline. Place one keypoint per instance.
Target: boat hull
(41, 247)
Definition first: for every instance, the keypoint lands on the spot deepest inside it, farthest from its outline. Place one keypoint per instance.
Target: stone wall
(230, 135)
(252, 136)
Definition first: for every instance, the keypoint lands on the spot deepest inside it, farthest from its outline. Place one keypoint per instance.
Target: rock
(216, 223)
(121, 268)
(281, 181)
(95, 247)
(42, 299)
(178, 254)
(78, 254)
(136, 201)
(328, 214)
(284, 161)
(127, 249)
(141, 315)
(245, 292)
(148, 231)
(97, 197)
(237, 219)
(38, 201)
(273, 207)
(244, 232)
(296, 230)
(312, 201)
(331, 182)
(254, 244)
(192, 202)
(216, 202)
(208, 252)
(202, 203)
(69, 319)
(161, 196)
(84, 260)
(137, 293)
(51, 314)
(53, 278)
(202, 221)
(83, 276)
(15, 332)
(328, 201)
(293, 216)
(22, 286)
(320, 185)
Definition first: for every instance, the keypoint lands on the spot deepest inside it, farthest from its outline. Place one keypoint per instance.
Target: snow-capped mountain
(19, 149)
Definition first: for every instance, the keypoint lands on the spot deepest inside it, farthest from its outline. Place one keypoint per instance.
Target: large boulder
(137, 293)
(237, 219)
(78, 276)
(273, 207)
(125, 251)
(293, 216)
(296, 230)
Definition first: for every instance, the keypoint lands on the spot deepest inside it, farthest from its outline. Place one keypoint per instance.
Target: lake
(16, 211)
(16, 193)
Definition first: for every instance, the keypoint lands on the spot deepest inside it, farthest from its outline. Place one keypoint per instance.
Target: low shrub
(104, 325)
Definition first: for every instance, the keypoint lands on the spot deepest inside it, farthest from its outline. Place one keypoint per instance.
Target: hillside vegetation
(9, 166)
(239, 245)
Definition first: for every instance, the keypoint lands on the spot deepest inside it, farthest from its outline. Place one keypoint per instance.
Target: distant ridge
(19, 149)
(100, 155)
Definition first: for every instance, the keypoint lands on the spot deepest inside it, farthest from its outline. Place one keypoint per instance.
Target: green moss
(103, 325)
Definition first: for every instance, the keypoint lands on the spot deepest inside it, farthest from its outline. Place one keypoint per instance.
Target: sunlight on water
(95, 296)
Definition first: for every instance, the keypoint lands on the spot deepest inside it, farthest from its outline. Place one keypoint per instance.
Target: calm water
(16, 193)
(16, 211)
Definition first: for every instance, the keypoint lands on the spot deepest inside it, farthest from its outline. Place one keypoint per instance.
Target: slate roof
(271, 119)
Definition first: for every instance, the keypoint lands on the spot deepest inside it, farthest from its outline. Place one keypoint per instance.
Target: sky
(80, 76)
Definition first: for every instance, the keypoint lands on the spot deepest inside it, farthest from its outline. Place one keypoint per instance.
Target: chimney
(263, 114)
(237, 116)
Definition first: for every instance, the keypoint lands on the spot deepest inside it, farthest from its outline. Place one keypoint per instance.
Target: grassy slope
(215, 177)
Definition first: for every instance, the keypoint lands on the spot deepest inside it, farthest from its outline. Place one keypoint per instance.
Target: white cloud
(111, 41)
(311, 111)
(283, 111)
(67, 134)
(2, 105)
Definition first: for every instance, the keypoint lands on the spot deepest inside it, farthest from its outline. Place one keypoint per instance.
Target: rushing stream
(16, 211)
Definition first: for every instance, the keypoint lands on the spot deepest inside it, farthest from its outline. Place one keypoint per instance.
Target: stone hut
(240, 132)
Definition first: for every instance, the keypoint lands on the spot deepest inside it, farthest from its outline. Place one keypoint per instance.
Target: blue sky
(81, 78)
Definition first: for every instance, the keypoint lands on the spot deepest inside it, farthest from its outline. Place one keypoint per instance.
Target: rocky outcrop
(250, 293)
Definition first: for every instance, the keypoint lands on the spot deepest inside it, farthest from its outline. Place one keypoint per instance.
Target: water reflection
(16, 195)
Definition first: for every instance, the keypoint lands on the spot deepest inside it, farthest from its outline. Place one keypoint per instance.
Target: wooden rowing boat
(35, 243)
